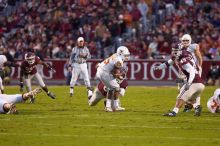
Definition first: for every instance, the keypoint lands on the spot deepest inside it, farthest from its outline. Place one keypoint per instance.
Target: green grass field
(70, 121)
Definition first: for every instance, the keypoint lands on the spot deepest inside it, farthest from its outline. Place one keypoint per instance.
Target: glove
(50, 68)
(161, 66)
(21, 86)
(187, 85)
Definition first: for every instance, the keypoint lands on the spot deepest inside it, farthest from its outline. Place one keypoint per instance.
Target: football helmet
(186, 40)
(177, 51)
(123, 52)
(30, 57)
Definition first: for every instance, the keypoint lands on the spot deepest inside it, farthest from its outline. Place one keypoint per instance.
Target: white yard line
(108, 136)
(127, 126)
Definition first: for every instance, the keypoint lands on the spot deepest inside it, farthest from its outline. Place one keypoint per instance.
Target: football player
(101, 91)
(213, 103)
(193, 86)
(7, 102)
(29, 71)
(193, 48)
(105, 73)
(4, 62)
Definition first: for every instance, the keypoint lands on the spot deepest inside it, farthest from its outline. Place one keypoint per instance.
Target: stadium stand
(148, 27)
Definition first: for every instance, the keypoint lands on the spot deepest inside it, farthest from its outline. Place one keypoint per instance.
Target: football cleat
(32, 93)
(51, 95)
(170, 114)
(109, 109)
(32, 99)
(89, 93)
(198, 110)
(90, 88)
(12, 110)
(71, 92)
(120, 108)
(187, 107)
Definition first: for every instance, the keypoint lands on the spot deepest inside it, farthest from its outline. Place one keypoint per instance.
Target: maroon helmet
(30, 57)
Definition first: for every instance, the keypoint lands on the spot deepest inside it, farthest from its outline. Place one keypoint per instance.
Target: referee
(77, 62)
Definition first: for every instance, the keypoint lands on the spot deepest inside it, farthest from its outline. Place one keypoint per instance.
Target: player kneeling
(213, 103)
(7, 102)
(101, 92)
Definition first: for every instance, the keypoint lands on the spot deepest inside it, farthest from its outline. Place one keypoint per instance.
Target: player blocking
(193, 85)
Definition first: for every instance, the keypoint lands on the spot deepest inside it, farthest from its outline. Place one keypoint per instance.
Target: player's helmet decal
(30, 57)
(177, 51)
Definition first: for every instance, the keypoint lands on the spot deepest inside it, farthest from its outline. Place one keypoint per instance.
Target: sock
(197, 102)
(116, 103)
(176, 109)
(108, 103)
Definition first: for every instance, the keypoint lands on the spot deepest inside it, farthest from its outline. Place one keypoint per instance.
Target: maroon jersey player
(193, 85)
(29, 71)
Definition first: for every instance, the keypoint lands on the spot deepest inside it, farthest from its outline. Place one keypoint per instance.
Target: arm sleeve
(167, 63)
(87, 51)
(190, 69)
(71, 57)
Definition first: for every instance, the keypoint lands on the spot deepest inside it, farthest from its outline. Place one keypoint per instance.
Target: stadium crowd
(147, 27)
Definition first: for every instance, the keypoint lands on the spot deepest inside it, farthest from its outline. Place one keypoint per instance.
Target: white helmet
(186, 40)
(80, 39)
(3, 58)
(123, 52)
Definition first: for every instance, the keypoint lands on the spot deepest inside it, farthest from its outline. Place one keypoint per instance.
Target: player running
(193, 48)
(29, 71)
(107, 73)
(193, 86)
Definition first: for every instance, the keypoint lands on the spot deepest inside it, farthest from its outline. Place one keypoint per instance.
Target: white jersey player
(105, 73)
(77, 61)
(193, 49)
(213, 103)
(101, 91)
(3, 60)
(7, 102)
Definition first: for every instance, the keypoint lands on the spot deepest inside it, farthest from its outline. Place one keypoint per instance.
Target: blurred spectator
(153, 48)
(214, 75)
(49, 27)
(67, 71)
(143, 8)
